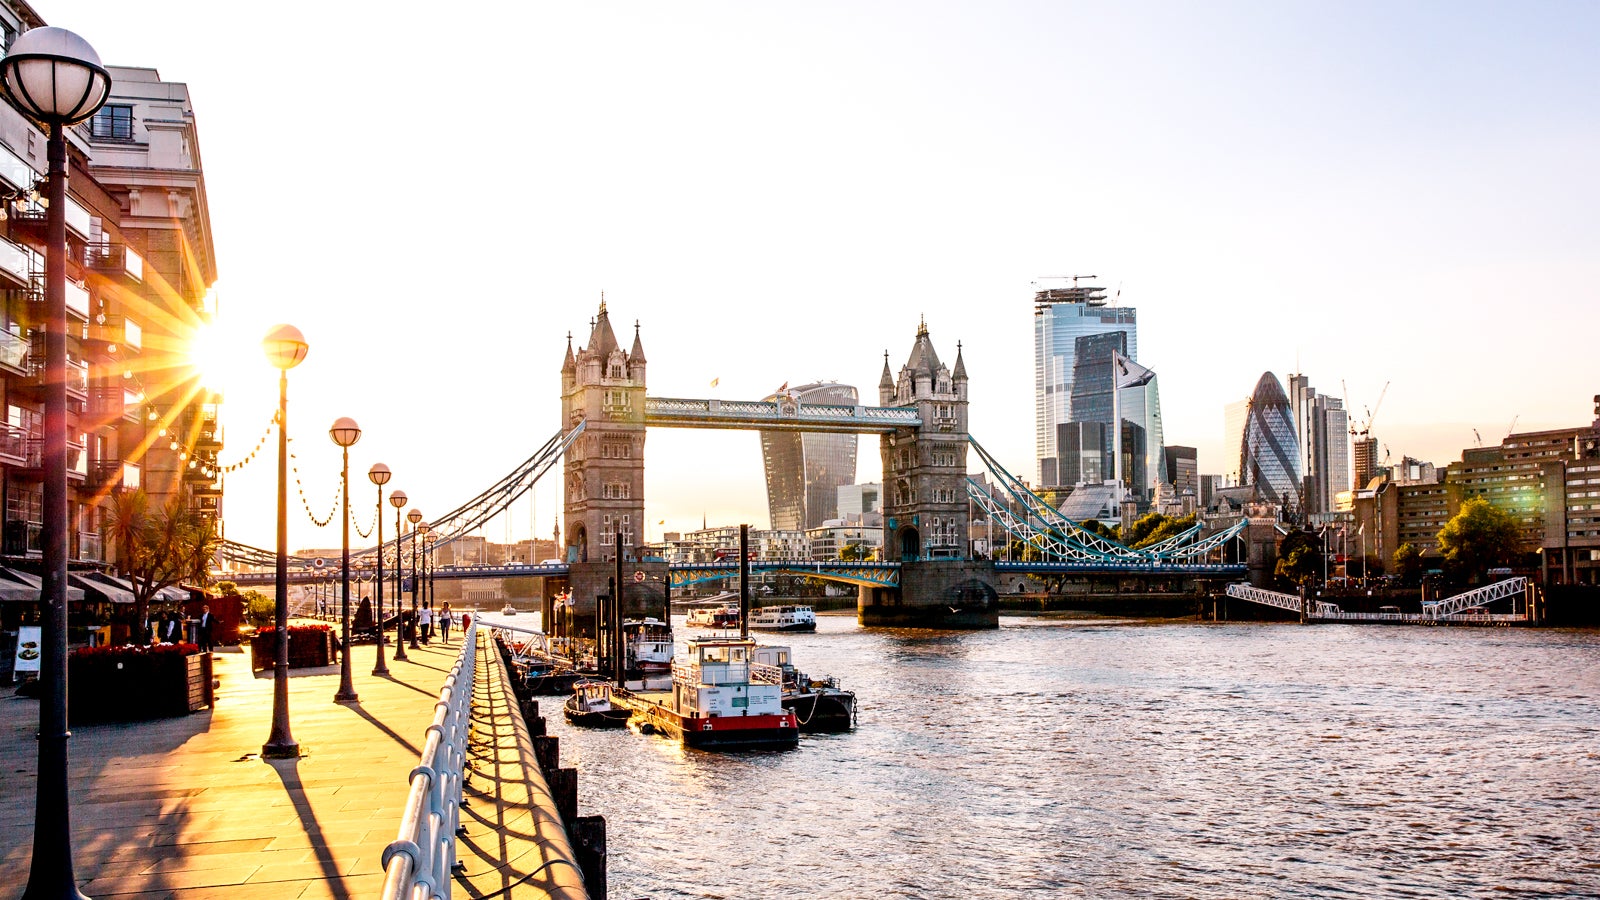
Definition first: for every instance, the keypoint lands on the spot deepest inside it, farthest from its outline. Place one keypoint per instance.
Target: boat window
(738, 654)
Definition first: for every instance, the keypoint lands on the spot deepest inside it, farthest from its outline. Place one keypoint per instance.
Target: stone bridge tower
(925, 507)
(603, 486)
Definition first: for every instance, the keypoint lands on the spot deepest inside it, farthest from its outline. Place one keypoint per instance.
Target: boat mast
(744, 582)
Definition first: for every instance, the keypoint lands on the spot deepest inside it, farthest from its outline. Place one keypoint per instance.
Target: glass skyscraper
(1060, 317)
(1143, 464)
(1270, 455)
(805, 471)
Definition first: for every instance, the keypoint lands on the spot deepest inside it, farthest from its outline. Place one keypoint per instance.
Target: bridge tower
(925, 503)
(603, 486)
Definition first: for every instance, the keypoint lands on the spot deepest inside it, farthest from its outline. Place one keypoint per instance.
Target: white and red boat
(713, 617)
(720, 699)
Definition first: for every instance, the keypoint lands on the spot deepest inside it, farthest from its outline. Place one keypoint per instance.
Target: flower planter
(130, 684)
(310, 646)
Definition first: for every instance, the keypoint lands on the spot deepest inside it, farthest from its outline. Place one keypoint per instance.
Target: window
(114, 123)
(616, 450)
(615, 490)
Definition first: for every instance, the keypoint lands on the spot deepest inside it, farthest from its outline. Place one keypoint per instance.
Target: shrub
(129, 683)
(309, 646)
(260, 610)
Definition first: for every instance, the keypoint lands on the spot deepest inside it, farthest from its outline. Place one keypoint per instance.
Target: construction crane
(1477, 438)
(1074, 278)
(1372, 413)
(1513, 426)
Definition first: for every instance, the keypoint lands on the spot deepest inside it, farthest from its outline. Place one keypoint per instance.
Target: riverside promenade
(185, 807)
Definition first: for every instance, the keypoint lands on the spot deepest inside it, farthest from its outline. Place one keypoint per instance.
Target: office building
(1271, 461)
(856, 500)
(1084, 444)
(805, 471)
(1183, 470)
(1322, 426)
(1060, 317)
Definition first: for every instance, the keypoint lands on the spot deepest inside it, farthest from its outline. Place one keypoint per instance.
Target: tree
(1159, 528)
(158, 549)
(1408, 563)
(1479, 538)
(1300, 557)
(852, 552)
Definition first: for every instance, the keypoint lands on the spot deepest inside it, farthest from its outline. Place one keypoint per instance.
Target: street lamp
(55, 78)
(379, 475)
(414, 516)
(345, 432)
(285, 348)
(397, 499)
(429, 563)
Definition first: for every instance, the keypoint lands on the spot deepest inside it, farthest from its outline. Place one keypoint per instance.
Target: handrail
(418, 864)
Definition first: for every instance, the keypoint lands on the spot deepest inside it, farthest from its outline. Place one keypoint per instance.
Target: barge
(721, 699)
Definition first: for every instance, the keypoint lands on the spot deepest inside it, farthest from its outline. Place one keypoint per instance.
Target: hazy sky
(1376, 193)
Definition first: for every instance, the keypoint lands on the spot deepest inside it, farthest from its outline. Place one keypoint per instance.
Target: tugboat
(819, 705)
(590, 706)
(719, 700)
(784, 618)
(714, 617)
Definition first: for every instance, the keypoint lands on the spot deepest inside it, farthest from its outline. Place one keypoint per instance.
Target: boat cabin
(721, 678)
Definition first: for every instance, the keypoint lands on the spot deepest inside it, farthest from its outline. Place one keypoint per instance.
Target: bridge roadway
(184, 807)
(863, 573)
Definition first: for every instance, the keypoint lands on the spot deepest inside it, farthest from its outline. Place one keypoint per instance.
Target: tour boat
(714, 617)
(648, 645)
(509, 610)
(784, 618)
(590, 706)
(720, 700)
(818, 704)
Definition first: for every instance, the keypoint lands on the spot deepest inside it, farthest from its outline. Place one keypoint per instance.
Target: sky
(1372, 194)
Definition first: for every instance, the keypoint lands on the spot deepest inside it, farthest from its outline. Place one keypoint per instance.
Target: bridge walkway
(184, 807)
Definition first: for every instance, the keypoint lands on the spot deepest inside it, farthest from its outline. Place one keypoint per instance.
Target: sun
(222, 357)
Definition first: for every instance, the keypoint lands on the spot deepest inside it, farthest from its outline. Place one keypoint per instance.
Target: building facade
(805, 471)
(1060, 317)
(924, 470)
(1322, 426)
(603, 386)
(138, 281)
(1271, 452)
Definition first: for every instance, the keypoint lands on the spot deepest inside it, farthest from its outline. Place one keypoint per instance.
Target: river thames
(1057, 758)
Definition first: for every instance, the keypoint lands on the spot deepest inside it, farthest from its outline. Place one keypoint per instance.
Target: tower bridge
(926, 577)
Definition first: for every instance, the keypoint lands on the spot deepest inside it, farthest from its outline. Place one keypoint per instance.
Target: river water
(1058, 758)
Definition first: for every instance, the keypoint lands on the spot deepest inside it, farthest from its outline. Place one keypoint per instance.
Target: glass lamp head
(379, 474)
(414, 516)
(285, 346)
(398, 499)
(344, 431)
(53, 76)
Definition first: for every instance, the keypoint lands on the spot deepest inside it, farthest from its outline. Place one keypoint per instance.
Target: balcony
(77, 371)
(91, 548)
(210, 436)
(77, 461)
(14, 349)
(16, 174)
(109, 402)
(118, 262)
(16, 270)
(14, 445)
(115, 474)
(21, 538)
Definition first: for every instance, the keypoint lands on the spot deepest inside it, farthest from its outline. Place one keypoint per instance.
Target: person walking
(425, 622)
(444, 622)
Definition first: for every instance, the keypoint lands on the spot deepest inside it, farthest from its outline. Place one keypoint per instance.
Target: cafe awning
(74, 594)
(15, 590)
(99, 591)
(165, 595)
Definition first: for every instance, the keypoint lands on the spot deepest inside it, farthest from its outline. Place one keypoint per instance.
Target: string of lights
(365, 532)
(294, 463)
(250, 457)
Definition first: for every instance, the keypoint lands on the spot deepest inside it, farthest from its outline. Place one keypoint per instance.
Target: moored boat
(508, 610)
(648, 645)
(783, 618)
(720, 699)
(819, 705)
(714, 617)
(591, 706)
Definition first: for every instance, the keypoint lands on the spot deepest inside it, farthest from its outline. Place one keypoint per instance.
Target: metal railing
(418, 864)
(1290, 602)
(1477, 597)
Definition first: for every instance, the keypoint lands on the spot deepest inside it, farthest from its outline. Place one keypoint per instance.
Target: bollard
(547, 750)
(564, 788)
(588, 835)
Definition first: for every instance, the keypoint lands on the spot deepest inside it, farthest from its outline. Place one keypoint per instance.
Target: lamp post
(345, 432)
(414, 516)
(285, 348)
(379, 474)
(54, 77)
(397, 499)
(428, 565)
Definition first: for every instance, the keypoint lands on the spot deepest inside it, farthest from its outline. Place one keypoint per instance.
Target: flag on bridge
(714, 381)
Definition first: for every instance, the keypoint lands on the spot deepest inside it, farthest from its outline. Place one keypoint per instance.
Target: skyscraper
(805, 471)
(1084, 444)
(1271, 450)
(1322, 427)
(1060, 317)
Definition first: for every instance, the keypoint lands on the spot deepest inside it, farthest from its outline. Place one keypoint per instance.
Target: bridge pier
(934, 593)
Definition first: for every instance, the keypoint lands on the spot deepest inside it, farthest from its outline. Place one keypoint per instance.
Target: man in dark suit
(203, 629)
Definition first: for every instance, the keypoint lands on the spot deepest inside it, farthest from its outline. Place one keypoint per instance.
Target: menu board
(29, 648)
